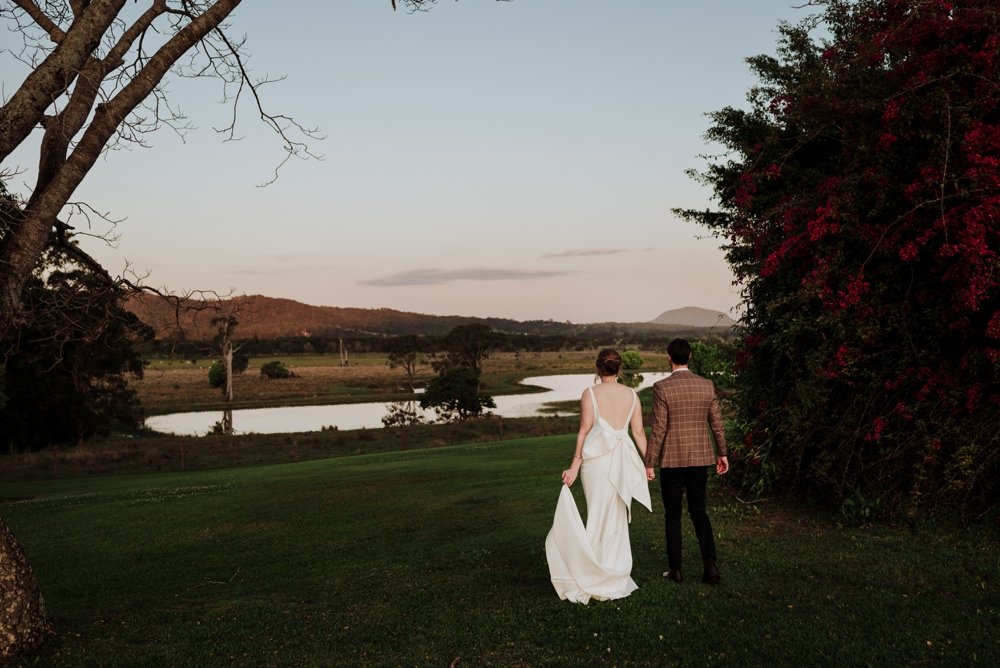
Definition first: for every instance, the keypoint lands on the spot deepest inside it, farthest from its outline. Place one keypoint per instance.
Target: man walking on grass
(684, 408)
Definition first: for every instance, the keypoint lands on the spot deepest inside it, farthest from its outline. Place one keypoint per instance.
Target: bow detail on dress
(626, 472)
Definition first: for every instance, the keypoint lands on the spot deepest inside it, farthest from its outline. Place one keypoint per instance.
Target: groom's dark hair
(679, 351)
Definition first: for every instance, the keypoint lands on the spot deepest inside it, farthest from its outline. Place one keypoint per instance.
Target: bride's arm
(638, 433)
(586, 422)
(639, 436)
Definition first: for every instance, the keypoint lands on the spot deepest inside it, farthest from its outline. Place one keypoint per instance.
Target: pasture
(172, 385)
(435, 558)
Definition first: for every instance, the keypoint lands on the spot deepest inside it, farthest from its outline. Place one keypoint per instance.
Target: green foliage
(402, 414)
(67, 361)
(217, 372)
(631, 360)
(275, 369)
(713, 358)
(406, 352)
(858, 201)
(468, 345)
(454, 394)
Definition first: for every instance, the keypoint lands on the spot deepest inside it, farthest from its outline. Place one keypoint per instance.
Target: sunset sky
(513, 159)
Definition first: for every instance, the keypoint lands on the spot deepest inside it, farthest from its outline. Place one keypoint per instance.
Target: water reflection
(287, 419)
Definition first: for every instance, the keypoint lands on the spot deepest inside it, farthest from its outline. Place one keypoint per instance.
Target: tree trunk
(22, 611)
(227, 363)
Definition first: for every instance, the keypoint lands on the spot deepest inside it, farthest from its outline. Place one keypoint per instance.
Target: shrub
(631, 360)
(217, 374)
(858, 202)
(275, 369)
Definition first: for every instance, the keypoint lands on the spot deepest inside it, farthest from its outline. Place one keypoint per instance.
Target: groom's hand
(650, 474)
(722, 465)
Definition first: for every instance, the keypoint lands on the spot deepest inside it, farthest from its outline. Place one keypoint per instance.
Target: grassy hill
(436, 558)
(694, 316)
(269, 318)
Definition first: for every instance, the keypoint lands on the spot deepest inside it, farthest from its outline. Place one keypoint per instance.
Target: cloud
(439, 276)
(587, 252)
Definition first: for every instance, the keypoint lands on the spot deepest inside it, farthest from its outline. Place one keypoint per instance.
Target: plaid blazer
(684, 407)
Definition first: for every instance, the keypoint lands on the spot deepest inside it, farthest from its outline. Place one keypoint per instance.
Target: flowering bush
(860, 208)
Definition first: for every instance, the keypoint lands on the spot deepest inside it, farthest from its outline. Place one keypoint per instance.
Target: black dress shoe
(676, 576)
(711, 575)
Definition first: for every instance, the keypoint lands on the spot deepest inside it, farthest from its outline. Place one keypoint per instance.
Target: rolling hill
(269, 317)
(694, 316)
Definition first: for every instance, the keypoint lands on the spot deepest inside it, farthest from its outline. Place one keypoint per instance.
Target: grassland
(275, 550)
(435, 558)
(172, 385)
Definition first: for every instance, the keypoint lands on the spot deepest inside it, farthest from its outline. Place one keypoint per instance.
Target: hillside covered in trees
(270, 318)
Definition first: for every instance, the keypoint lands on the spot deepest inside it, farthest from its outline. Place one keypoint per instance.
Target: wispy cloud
(587, 252)
(438, 276)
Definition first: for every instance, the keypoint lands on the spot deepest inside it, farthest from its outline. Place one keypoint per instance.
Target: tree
(95, 63)
(228, 351)
(98, 79)
(859, 204)
(405, 352)
(67, 365)
(275, 370)
(22, 610)
(63, 380)
(219, 377)
(454, 394)
(631, 360)
(713, 358)
(402, 414)
(99, 69)
(468, 346)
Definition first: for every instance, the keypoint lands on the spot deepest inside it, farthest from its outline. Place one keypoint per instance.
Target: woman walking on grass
(595, 561)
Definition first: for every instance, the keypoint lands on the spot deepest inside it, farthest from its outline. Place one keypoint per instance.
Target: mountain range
(270, 317)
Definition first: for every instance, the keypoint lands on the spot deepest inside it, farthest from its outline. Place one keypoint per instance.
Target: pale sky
(510, 159)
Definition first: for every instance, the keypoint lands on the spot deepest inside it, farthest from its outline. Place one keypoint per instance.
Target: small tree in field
(454, 395)
(275, 370)
(860, 206)
(631, 360)
(406, 352)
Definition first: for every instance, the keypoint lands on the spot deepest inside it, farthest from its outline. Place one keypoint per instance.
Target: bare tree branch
(54, 32)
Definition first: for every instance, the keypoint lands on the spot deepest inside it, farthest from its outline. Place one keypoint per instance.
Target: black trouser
(674, 482)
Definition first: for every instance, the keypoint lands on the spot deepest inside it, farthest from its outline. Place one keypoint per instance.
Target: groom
(684, 407)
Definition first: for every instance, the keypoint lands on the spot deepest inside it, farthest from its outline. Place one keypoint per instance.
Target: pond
(285, 419)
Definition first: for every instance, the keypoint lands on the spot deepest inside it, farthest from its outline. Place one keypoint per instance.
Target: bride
(595, 561)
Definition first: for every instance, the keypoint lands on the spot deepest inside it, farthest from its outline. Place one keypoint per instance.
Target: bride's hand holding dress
(595, 560)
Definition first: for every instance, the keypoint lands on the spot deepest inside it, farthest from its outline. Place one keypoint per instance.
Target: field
(280, 550)
(435, 557)
(178, 385)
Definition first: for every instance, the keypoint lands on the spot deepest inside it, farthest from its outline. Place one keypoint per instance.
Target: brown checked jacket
(684, 407)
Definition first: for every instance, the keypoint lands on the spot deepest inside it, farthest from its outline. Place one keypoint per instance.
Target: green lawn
(436, 557)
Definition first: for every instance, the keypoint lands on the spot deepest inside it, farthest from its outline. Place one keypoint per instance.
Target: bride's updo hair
(609, 362)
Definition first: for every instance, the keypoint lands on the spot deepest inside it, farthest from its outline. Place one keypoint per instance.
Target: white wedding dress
(596, 561)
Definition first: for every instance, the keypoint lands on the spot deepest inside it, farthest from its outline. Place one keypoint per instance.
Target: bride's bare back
(614, 402)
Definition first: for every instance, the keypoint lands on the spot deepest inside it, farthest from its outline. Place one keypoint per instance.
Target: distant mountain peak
(694, 316)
